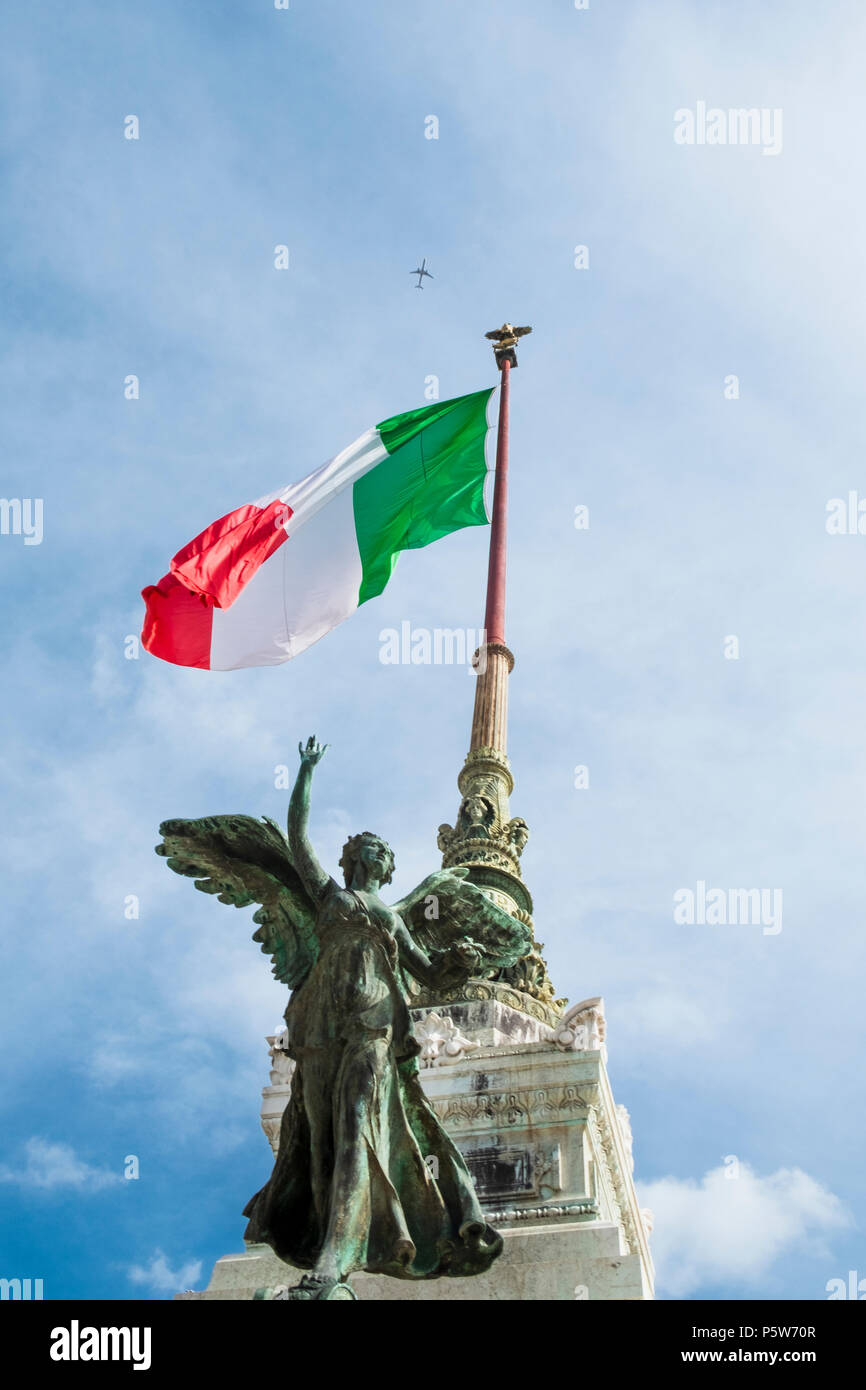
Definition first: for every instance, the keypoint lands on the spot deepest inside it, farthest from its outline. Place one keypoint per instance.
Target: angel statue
(365, 1177)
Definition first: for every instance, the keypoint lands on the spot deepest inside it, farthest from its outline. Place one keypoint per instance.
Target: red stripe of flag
(219, 562)
(177, 624)
(209, 573)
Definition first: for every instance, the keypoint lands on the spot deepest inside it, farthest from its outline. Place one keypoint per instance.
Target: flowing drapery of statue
(365, 1177)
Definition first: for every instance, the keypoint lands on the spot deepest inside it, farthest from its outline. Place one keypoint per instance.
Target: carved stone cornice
(494, 1109)
(545, 1011)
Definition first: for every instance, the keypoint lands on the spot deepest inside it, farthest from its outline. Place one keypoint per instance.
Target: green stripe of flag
(431, 483)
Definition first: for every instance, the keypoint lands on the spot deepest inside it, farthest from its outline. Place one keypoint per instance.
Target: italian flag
(272, 577)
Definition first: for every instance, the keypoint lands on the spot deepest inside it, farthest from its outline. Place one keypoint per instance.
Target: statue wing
(446, 906)
(242, 860)
(522, 332)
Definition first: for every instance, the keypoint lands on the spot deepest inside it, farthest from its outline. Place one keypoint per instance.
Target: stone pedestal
(531, 1110)
(549, 1262)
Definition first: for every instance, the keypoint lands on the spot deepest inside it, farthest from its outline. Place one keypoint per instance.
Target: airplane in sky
(421, 271)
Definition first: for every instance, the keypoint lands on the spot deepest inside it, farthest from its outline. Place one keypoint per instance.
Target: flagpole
(494, 616)
(486, 781)
(494, 661)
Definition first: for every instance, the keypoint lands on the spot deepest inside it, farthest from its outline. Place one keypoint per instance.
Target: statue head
(370, 850)
(476, 812)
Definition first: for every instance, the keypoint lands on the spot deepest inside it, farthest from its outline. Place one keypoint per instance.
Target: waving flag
(272, 577)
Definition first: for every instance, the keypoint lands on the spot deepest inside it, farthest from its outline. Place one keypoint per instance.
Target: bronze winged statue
(352, 1186)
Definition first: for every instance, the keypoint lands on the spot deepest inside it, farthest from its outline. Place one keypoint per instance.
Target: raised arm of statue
(314, 877)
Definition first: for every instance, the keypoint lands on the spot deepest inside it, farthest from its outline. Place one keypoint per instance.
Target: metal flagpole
(505, 342)
(494, 616)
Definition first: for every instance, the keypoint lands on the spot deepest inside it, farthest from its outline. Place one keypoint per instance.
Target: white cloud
(646, 1012)
(50, 1165)
(733, 1230)
(158, 1274)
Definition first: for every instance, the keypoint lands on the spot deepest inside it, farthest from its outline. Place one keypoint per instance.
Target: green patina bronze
(365, 1177)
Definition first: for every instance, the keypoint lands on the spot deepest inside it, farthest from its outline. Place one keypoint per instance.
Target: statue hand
(312, 753)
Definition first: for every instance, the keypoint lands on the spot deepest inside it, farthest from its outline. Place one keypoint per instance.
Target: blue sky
(707, 519)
